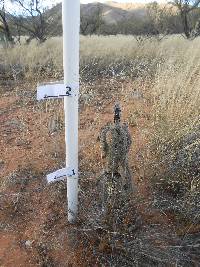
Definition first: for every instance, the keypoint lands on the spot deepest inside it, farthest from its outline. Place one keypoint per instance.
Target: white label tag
(60, 175)
(53, 90)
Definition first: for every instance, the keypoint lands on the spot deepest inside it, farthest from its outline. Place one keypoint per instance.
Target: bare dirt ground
(33, 225)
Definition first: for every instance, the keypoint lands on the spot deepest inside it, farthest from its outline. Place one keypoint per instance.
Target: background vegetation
(35, 21)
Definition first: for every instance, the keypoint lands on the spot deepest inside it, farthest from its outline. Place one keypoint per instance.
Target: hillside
(112, 12)
(118, 18)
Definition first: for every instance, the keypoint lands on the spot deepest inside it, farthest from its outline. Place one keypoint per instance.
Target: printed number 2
(68, 90)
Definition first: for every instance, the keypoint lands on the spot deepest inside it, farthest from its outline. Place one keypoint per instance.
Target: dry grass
(177, 99)
(100, 56)
(174, 144)
(102, 46)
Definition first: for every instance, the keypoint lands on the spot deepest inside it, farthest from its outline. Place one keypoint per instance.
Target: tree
(33, 20)
(92, 24)
(185, 7)
(155, 14)
(4, 24)
(163, 18)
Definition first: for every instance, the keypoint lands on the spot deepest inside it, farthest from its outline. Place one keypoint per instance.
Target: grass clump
(175, 140)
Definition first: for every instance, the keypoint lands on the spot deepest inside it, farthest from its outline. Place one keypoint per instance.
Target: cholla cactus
(115, 141)
(17, 71)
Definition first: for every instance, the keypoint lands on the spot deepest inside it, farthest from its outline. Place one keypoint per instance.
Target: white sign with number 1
(60, 175)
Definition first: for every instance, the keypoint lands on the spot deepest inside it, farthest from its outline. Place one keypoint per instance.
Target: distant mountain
(112, 12)
(129, 9)
(125, 6)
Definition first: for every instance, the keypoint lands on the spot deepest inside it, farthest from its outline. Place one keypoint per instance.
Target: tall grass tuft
(175, 140)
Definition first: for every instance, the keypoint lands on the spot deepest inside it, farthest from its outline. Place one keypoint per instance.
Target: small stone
(28, 243)
(136, 94)
(14, 124)
(2, 163)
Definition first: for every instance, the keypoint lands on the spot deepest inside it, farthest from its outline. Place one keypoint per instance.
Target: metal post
(71, 24)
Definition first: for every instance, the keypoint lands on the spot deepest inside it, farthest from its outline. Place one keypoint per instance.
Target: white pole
(71, 23)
